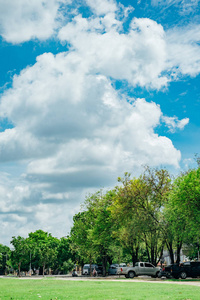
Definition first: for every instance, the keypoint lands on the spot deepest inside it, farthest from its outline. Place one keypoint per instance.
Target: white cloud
(26, 207)
(102, 7)
(146, 55)
(22, 20)
(73, 132)
(184, 5)
(58, 107)
(138, 56)
(173, 123)
(184, 50)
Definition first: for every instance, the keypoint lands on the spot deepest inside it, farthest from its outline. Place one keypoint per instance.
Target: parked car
(86, 269)
(182, 270)
(140, 268)
(113, 269)
(100, 270)
(122, 265)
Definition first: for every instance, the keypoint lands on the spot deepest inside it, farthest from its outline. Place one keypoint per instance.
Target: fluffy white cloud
(58, 107)
(102, 7)
(146, 55)
(73, 132)
(26, 207)
(22, 20)
(173, 123)
(138, 56)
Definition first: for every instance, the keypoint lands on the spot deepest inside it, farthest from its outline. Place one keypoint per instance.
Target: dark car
(113, 269)
(183, 270)
(100, 270)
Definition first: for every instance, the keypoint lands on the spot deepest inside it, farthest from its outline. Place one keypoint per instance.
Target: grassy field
(55, 289)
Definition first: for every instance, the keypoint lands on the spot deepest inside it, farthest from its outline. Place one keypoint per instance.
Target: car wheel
(126, 276)
(168, 275)
(131, 274)
(159, 274)
(183, 275)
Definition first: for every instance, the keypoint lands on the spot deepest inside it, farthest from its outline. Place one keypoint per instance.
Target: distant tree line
(140, 218)
(135, 221)
(40, 252)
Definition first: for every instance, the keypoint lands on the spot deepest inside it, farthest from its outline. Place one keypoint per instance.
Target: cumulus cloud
(174, 123)
(73, 131)
(138, 56)
(145, 56)
(22, 20)
(26, 207)
(59, 105)
(102, 7)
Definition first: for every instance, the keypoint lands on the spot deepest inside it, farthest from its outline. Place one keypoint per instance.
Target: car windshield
(122, 265)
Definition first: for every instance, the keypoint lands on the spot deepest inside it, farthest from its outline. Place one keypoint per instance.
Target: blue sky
(91, 89)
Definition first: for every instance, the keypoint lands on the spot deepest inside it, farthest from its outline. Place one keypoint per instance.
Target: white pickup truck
(141, 268)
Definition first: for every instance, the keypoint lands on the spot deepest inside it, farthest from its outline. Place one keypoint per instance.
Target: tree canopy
(134, 221)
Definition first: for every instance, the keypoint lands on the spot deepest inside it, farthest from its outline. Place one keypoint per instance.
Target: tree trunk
(160, 257)
(104, 263)
(148, 253)
(134, 255)
(43, 270)
(19, 269)
(171, 252)
(179, 246)
(90, 267)
(152, 255)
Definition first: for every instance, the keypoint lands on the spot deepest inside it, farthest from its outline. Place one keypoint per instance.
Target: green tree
(43, 248)
(127, 225)
(139, 206)
(65, 258)
(182, 210)
(67, 266)
(20, 254)
(5, 261)
(91, 233)
(102, 225)
(81, 241)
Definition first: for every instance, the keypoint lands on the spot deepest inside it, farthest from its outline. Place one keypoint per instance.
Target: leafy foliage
(135, 221)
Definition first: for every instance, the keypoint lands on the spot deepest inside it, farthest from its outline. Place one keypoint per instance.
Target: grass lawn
(55, 289)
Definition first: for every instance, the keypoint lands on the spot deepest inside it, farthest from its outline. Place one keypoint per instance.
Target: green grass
(55, 289)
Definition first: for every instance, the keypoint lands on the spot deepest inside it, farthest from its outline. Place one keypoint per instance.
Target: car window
(141, 265)
(147, 265)
(187, 263)
(136, 264)
(122, 265)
